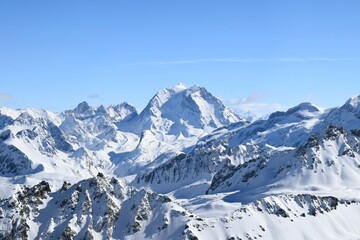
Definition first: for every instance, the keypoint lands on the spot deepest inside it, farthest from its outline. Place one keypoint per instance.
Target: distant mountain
(174, 119)
(186, 167)
(115, 139)
(250, 116)
(115, 113)
(181, 110)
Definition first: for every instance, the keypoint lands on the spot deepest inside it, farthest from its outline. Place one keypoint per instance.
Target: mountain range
(185, 167)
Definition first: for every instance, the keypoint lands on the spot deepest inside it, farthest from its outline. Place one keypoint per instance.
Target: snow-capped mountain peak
(179, 87)
(179, 106)
(82, 110)
(9, 112)
(347, 116)
(83, 107)
(353, 104)
(186, 167)
(174, 119)
(303, 107)
(113, 112)
(123, 111)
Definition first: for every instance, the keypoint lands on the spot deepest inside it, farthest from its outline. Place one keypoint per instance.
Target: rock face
(17, 212)
(14, 162)
(91, 209)
(186, 167)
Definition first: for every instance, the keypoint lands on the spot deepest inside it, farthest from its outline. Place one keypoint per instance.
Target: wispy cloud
(242, 60)
(253, 104)
(4, 97)
(93, 95)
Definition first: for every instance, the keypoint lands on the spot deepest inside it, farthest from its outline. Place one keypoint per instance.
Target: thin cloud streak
(242, 60)
(253, 104)
(93, 95)
(4, 97)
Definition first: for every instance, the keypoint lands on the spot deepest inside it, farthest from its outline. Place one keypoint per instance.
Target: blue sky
(257, 55)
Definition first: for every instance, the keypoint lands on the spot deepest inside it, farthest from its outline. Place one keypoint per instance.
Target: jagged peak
(354, 101)
(121, 111)
(178, 109)
(352, 104)
(178, 87)
(31, 113)
(9, 112)
(347, 115)
(101, 109)
(123, 105)
(83, 107)
(166, 94)
(195, 88)
(113, 112)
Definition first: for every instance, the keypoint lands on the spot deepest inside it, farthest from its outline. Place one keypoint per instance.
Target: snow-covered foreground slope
(185, 167)
(95, 208)
(104, 208)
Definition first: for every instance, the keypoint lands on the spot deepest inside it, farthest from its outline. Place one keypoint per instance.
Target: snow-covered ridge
(186, 167)
(174, 120)
(115, 139)
(178, 110)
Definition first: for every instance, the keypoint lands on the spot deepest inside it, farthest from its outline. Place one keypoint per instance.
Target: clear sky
(257, 55)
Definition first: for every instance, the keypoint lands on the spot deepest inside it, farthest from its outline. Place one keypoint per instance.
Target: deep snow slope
(185, 167)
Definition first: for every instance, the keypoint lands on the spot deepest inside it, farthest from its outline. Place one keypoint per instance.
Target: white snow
(185, 166)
